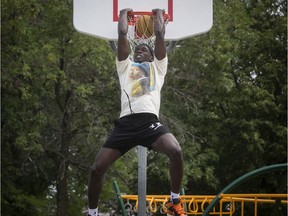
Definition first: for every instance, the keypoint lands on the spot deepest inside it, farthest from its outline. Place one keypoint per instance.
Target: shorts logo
(155, 126)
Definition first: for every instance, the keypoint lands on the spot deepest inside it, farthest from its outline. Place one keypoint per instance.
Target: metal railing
(221, 204)
(196, 205)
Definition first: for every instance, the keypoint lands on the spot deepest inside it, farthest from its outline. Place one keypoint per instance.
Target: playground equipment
(221, 204)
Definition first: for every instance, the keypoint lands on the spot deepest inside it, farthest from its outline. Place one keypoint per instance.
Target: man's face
(142, 54)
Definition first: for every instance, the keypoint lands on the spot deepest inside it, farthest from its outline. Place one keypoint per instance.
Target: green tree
(237, 77)
(60, 95)
(59, 91)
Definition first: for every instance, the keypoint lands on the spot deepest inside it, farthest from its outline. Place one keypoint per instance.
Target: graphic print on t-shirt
(143, 79)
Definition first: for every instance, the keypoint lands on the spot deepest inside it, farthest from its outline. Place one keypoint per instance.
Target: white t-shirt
(141, 85)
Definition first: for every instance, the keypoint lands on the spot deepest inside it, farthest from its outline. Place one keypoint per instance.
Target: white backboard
(99, 18)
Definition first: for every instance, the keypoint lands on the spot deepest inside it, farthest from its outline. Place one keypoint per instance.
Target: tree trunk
(62, 191)
(66, 136)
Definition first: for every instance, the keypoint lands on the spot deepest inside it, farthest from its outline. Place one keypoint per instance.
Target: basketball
(144, 26)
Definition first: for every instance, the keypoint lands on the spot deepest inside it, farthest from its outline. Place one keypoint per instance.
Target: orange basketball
(144, 26)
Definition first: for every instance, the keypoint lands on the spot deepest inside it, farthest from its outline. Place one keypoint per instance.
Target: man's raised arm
(159, 30)
(123, 44)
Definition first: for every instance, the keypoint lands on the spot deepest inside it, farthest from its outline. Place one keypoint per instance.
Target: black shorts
(136, 129)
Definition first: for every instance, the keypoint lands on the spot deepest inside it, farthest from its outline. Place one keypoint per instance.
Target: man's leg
(104, 158)
(168, 145)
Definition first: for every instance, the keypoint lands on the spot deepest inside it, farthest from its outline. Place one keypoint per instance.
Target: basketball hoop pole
(142, 180)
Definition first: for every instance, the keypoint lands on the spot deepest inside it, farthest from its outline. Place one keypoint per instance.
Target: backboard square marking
(116, 12)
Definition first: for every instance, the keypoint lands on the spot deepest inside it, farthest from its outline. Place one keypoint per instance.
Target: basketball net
(141, 29)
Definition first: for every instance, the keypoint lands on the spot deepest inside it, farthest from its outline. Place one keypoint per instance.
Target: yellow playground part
(195, 205)
(220, 204)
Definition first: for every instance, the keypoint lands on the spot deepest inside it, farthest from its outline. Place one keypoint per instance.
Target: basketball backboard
(99, 18)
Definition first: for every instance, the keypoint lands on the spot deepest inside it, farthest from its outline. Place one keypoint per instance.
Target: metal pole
(182, 192)
(119, 198)
(142, 180)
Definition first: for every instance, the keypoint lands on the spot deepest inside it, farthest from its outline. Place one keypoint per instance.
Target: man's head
(142, 53)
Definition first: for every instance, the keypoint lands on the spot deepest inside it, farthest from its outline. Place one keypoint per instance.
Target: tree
(237, 76)
(59, 95)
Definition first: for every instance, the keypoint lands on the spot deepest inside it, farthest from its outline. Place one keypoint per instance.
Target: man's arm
(159, 30)
(123, 44)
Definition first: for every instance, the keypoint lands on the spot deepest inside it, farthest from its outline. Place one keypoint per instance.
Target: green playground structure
(221, 204)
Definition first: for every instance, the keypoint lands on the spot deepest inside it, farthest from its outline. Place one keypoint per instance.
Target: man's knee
(97, 170)
(176, 154)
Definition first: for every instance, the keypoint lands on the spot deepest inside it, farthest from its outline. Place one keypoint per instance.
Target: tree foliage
(237, 77)
(60, 96)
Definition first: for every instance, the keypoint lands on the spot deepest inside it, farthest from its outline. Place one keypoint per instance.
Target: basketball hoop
(94, 18)
(141, 28)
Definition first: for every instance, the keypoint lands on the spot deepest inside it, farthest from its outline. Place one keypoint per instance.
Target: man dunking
(138, 123)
